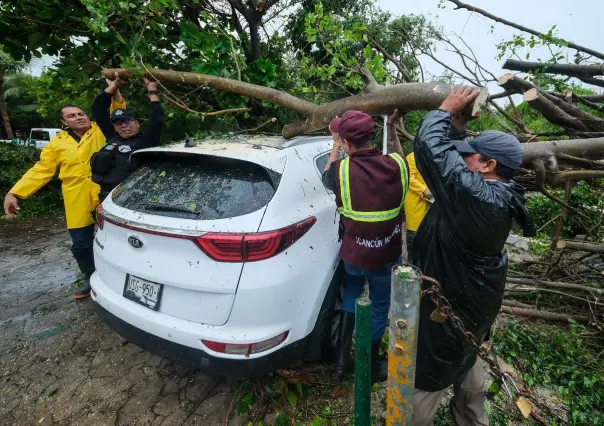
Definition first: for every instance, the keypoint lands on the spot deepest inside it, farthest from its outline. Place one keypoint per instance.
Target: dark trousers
(81, 248)
(409, 240)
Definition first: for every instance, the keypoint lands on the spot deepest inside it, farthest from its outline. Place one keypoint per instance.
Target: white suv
(223, 255)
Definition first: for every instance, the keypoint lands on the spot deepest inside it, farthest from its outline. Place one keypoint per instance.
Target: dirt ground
(61, 365)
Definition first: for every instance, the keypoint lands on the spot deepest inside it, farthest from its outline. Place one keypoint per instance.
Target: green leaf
(316, 421)
(120, 38)
(36, 38)
(48, 13)
(161, 19)
(244, 404)
(292, 399)
(162, 174)
(299, 389)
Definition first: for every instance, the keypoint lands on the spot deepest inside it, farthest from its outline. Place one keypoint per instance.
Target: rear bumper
(237, 368)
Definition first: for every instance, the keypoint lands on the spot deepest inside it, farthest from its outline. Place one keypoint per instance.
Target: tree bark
(570, 70)
(554, 109)
(581, 246)
(554, 284)
(559, 226)
(545, 315)
(547, 151)
(516, 304)
(551, 112)
(376, 101)
(572, 45)
(4, 110)
(592, 98)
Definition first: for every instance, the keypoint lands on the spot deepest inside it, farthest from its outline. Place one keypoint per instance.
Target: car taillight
(223, 247)
(99, 218)
(246, 348)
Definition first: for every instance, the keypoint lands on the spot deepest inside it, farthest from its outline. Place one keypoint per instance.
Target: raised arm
(105, 103)
(442, 167)
(156, 119)
(394, 143)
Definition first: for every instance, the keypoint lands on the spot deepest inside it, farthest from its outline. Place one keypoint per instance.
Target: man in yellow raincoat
(69, 152)
(417, 203)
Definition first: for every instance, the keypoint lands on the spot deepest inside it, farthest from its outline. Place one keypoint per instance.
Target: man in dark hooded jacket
(113, 163)
(460, 243)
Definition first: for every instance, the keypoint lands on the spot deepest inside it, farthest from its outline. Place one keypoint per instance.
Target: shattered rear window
(197, 187)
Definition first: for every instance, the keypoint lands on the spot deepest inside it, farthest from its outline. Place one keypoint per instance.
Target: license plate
(142, 291)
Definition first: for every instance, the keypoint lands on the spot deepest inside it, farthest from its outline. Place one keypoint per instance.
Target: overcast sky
(579, 21)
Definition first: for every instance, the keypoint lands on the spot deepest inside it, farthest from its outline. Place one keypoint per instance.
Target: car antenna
(189, 143)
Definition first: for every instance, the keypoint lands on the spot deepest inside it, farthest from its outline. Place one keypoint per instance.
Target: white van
(41, 136)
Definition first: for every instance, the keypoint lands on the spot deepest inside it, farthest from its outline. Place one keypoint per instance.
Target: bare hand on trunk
(459, 100)
(393, 118)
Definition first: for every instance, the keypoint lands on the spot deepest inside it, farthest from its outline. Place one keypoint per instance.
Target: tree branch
(399, 66)
(555, 284)
(541, 176)
(545, 315)
(551, 112)
(572, 45)
(381, 101)
(571, 70)
(582, 246)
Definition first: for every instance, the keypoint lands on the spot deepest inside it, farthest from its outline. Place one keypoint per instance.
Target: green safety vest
(379, 216)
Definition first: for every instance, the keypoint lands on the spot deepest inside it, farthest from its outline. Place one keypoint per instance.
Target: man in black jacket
(460, 243)
(113, 163)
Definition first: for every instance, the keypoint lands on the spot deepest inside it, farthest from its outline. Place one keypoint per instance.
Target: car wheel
(330, 341)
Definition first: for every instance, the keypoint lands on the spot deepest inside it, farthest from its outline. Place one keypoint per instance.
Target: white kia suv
(223, 255)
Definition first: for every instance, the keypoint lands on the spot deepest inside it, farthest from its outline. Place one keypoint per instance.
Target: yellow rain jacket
(415, 206)
(63, 152)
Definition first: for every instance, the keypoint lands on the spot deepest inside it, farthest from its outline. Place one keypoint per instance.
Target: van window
(40, 135)
(197, 187)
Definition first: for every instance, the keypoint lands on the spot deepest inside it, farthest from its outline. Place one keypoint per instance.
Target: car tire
(332, 323)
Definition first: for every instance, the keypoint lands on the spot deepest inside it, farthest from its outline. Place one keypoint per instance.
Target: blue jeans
(379, 293)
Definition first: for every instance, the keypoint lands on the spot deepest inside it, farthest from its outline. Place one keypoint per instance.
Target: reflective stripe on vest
(378, 216)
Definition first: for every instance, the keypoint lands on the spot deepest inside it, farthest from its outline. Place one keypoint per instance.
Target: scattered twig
(546, 315)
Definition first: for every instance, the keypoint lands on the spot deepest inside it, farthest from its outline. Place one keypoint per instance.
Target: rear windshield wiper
(168, 208)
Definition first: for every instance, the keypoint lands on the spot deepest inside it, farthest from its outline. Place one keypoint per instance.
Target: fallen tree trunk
(581, 246)
(555, 284)
(555, 109)
(545, 315)
(376, 100)
(516, 304)
(551, 112)
(571, 70)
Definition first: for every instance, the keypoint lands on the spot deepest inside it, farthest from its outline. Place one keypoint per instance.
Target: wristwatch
(153, 92)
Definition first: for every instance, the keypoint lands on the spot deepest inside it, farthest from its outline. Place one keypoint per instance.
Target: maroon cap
(355, 126)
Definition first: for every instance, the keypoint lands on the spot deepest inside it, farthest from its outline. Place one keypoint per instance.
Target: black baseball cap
(501, 147)
(121, 114)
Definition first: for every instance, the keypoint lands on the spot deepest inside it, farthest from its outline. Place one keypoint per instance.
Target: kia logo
(135, 242)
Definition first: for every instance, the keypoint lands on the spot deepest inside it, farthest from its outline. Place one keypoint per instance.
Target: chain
(443, 306)
(445, 310)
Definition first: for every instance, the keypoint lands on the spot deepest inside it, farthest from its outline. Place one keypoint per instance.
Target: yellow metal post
(402, 349)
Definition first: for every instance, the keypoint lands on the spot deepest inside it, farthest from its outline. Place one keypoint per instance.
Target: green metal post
(362, 372)
(402, 349)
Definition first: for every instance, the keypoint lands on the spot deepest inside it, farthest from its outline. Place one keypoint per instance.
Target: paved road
(61, 365)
